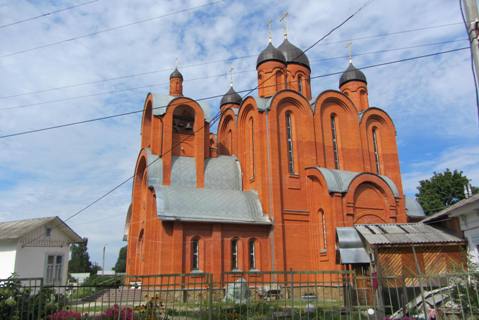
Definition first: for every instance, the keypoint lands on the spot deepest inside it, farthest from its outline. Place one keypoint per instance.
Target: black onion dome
(176, 74)
(231, 97)
(270, 53)
(293, 54)
(352, 74)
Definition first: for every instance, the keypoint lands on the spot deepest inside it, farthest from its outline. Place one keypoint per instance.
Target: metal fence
(245, 295)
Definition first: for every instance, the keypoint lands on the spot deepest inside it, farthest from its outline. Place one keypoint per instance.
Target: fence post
(40, 300)
(292, 292)
(210, 296)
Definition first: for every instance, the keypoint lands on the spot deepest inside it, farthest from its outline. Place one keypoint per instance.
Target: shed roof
(414, 209)
(404, 233)
(18, 228)
(351, 247)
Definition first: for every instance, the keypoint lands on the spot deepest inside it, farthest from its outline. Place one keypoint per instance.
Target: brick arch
(250, 154)
(227, 127)
(335, 104)
(320, 200)
(370, 199)
(135, 220)
(147, 122)
(378, 120)
(198, 141)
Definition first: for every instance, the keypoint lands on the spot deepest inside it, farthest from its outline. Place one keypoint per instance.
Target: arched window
(290, 142)
(251, 148)
(195, 254)
(324, 233)
(278, 80)
(252, 254)
(300, 84)
(376, 151)
(334, 138)
(234, 254)
(141, 244)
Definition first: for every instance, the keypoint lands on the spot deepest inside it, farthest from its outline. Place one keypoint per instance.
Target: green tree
(442, 190)
(80, 259)
(120, 265)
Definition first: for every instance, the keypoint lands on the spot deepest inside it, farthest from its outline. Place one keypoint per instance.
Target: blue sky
(58, 172)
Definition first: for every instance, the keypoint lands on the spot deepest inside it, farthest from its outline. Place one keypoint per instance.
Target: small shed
(412, 248)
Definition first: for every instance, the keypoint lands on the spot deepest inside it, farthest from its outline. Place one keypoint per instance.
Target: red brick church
(269, 188)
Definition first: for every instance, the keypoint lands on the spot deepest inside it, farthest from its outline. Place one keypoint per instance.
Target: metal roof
(16, 229)
(414, 209)
(270, 53)
(352, 74)
(407, 233)
(221, 200)
(176, 74)
(293, 54)
(351, 247)
(339, 180)
(231, 97)
(161, 102)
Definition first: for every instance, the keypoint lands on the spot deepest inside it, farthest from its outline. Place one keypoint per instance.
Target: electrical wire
(20, 133)
(28, 105)
(211, 62)
(91, 34)
(47, 14)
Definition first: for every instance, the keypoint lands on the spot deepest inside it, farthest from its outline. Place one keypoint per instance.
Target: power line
(51, 44)
(139, 74)
(218, 115)
(47, 14)
(27, 105)
(221, 95)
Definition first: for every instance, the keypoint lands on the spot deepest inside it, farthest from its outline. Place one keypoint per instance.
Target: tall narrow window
(252, 254)
(323, 231)
(300, 84)
(195, 254)
(251, 148)
(335, 141)
(234, 254)
(376, 151)
(290, 143)
(278, 80)
(141, 244)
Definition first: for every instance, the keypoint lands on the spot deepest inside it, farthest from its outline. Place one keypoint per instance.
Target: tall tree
(442, 190)
(120, 265)
(80, 259)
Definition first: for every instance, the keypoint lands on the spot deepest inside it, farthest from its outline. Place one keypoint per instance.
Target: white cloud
(58, 172)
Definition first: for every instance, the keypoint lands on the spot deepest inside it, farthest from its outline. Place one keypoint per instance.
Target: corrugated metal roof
(339, 180)
(413, 208)
(407, 233)
(18, 228)
(351, 247)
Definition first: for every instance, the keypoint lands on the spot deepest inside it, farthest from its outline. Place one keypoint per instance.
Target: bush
(65, 315)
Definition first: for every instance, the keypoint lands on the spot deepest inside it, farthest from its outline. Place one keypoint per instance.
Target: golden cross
(270, 31)
(284, 19)
(349, 45)
(231, 75)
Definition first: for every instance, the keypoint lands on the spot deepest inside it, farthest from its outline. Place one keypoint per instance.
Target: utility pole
(103, 261)
(472, 26)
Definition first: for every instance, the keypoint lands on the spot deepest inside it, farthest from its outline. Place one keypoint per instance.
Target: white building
(36, 248)
(462, 218)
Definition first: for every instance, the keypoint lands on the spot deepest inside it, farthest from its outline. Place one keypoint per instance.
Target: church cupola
(271, 67)
(298, 68)
(353, 83)
(231, 97)
(176, 83)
